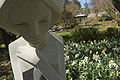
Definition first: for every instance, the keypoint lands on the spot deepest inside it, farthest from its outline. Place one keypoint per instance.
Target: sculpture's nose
(35, 30)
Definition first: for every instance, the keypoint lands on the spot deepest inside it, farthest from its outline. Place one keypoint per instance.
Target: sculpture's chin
(39, 42)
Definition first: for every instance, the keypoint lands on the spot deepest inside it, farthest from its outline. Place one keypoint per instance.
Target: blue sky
(83, 1)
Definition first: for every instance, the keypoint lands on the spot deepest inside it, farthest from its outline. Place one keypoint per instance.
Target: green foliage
(77, 3)
(105, 18)
(111, 31)
(7, 77)
(73, 23)
(66, 35)
(87, 9)
(97, 60)
(2, 46)
(100, 28)
(84, 34)
(90, 21)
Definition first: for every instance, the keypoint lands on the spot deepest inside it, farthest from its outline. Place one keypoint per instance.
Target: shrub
(84, 34)
(73, 23)
(111, 31)
(90, 21)
(66, 35)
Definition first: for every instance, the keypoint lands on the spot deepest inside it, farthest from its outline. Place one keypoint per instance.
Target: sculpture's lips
(37, 41)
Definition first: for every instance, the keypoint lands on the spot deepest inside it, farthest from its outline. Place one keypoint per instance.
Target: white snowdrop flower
(104, 52)
(99, 74)
(114, 64)
(90, 51)
(116, 67)
(76, 45)
(91, 43)
(85, 73)
(73, 44)
(98, 65)
(97, 79)
(66, 58)
(105, 55)
(111, 62)
(95, 57)
(104, 40)
(112, 74)
(77, 55)
(81, 77)
(74, 63)
(86, 59)
(99, 61)
(67, 71)
(80, 64)
(110, 65)
(91, 62)
(87, 50)
(98, 47)
(95, 41)
(83, 62)
(97, 52)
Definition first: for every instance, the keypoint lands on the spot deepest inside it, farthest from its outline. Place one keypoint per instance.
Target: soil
(5, 67)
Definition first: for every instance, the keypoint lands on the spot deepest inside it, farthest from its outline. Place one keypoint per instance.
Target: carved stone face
(29, 18)
(32, 19)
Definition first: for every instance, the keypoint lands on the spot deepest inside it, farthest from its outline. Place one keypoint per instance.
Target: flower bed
(97, 60)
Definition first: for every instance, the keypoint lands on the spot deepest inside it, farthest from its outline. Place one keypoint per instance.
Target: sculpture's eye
(43, 20)
(21, 23)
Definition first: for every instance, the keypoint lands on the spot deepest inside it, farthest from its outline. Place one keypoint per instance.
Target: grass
(104, 22)
(101, 28)
(64, 34)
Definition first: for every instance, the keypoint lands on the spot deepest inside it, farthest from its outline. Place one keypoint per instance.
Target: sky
(83, 1)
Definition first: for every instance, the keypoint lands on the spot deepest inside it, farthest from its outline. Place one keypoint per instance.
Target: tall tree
(86, 8)
(76, 2)
(107, 6)
(116, 3)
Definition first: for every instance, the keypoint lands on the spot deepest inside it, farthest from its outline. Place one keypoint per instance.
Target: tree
(76, 2)
(86, 8)
(116, 3)
(107, 6)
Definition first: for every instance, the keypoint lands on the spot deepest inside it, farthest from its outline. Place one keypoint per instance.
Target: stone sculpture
(38, 54)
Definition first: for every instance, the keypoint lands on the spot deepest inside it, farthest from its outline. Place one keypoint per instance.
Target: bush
(66, 35)
(73, 23)
(84, 34)
(98, 60)
(105, 18)
(90, 21)
(111, 31)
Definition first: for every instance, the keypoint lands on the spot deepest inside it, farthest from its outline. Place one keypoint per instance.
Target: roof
(81, 15)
